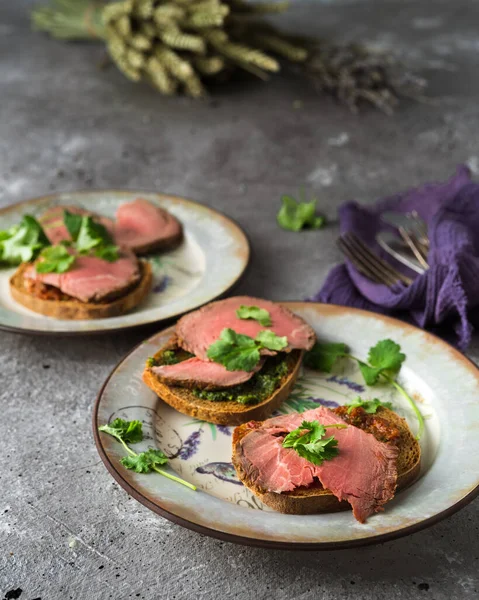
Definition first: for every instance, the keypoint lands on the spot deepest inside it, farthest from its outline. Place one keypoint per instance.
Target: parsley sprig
(90, 237)
(254, 312)
(309, 442)
(23, 242)
(296, 215)
(239, 352)
(131, 432)
(384, 362)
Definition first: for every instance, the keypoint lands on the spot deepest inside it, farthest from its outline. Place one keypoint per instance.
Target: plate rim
(272, 544)
(37, 199)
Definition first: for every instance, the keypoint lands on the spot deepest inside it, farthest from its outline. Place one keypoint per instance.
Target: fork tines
(367, 263)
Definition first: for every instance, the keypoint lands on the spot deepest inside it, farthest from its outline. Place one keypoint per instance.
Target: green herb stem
(127, 448)
(335, 426)
(413, 404)
(174, 478)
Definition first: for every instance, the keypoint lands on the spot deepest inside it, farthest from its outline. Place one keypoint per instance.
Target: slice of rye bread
(222, 413)
(69, 308)
(315, 499)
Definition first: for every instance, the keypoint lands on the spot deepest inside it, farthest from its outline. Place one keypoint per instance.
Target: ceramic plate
(211, 259)
(444, 383)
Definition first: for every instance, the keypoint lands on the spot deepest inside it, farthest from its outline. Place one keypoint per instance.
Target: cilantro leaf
(268, 339)
(387, 356)
(22, 242)
(234, 351)
(294, 215)
(254, 312)
(54, 259)
(239, 352)
(73, 223)
(145, 462)
(323, 356)
(309, 442)
(370, 406)
(130, 432)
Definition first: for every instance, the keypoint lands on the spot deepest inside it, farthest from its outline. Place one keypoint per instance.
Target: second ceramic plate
(211, 259)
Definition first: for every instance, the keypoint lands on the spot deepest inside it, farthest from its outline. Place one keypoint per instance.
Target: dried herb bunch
(179, 45)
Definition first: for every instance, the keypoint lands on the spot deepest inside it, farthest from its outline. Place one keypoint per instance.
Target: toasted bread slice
(315, 499)
(222, 413)
(70, 308)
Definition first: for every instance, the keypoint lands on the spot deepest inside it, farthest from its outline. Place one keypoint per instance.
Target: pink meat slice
(198, 330)
(54, 226)
(198, 373)
(364, 473)
(141, 224)
(92, 279)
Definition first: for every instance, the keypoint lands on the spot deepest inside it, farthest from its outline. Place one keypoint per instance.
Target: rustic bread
(70, 308)
(315, 499)
(222, 413)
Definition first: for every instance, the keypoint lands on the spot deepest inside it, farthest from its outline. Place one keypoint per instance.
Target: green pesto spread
(253, 391)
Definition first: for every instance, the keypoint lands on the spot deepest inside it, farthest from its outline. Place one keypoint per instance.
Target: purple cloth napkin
(445, 299)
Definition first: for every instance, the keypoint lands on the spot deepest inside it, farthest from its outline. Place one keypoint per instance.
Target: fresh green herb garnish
(309, 442)
(254, 312)
(323, 356)
(90, 237)
(126, 432)
(73, 223)
(238, 352)
(151, 362)
(295, 216)
(23, 242)
(370, 406)
(384, 363)
(144, 462)
(55, 259)
(131, 432)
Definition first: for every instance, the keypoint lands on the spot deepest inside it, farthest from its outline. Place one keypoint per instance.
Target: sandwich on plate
(74, 264)
(231, 361)
(326, 460)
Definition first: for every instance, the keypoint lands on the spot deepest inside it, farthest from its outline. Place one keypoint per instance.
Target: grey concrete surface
(67, 531)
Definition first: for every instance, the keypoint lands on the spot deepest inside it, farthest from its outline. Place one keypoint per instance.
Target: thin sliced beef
(141, 226)
(54, 226)
(91, 279)
(198, 330)
(196, 373)
(364, 473)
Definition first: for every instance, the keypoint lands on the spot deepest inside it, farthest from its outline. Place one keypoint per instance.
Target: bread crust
(74, 309)
(223, 413)
(315, 499)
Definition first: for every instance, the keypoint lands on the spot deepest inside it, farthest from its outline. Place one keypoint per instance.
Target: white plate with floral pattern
(211, 259)
(444, 383)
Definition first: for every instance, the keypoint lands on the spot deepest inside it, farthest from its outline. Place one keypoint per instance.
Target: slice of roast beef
(54, 226)
(143, 226)
(364, 473)
(199, 329)
(140, 225)
(93, 280)
(196, 373)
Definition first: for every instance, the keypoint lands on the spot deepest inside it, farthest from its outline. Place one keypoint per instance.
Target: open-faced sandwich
(79, 265)
(326, 460)
(231, 361)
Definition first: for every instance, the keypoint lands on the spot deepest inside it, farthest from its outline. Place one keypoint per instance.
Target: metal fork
(367, 263)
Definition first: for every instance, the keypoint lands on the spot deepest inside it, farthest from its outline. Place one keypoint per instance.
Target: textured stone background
(67, 531)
